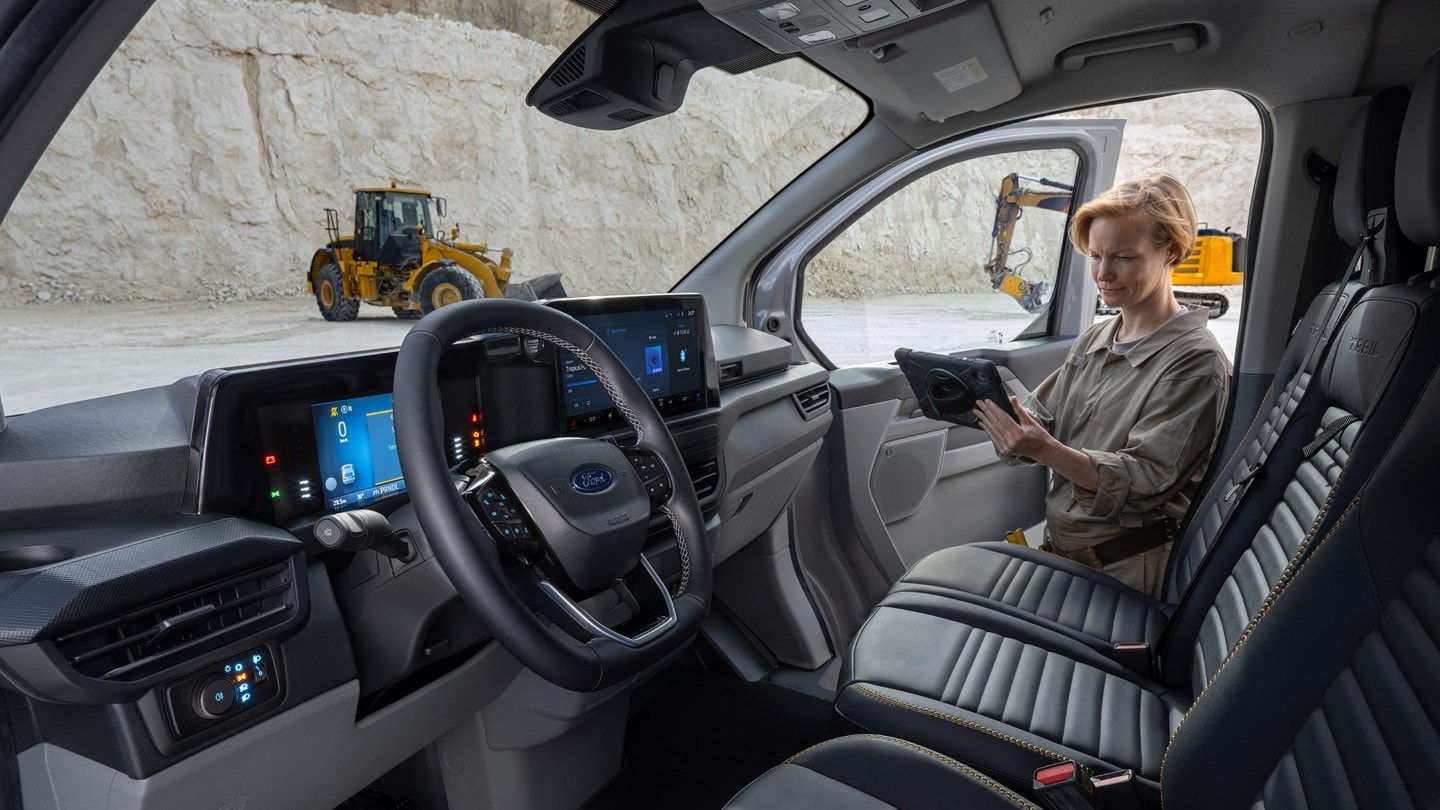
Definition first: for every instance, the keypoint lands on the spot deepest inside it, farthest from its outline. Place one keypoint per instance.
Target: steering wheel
(558, 525)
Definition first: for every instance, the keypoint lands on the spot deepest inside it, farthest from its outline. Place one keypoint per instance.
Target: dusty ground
(64, 352)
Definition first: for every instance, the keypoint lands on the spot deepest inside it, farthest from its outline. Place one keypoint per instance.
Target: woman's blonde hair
(1158, 199)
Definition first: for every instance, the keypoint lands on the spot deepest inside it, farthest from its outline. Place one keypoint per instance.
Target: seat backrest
(1364, 183)
(1254, 525)
(1328, 698)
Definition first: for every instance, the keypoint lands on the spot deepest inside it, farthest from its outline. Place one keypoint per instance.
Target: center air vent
(147, 640)
(813, 401)
(706, 477)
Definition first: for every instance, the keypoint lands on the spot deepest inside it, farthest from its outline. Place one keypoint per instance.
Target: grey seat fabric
(1386, 351)
(1096, 609)
(867, 772)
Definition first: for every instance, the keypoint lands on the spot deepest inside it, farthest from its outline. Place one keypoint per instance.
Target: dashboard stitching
(682, 545)
(584, 357)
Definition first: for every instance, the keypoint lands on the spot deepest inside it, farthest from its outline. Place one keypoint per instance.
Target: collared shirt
(1148, 420)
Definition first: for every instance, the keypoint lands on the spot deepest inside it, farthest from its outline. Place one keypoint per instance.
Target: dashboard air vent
(146, 640)
(813, 401)
(706, 477)
(571, 69)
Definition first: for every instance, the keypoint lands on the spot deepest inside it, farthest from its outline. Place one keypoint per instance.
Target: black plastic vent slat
(143, 638)
(813, 400)
(705, 477)
(560, 108)
(258, 620)
(571, 69)
(629, 115)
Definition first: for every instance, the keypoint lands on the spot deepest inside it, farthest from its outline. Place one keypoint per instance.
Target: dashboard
(160, 612)
(319, 437)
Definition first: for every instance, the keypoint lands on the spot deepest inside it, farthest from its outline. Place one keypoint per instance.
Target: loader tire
(330, 295)
(406, 313)
(448, 285)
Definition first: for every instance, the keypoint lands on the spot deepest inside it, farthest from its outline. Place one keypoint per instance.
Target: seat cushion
(1053, 592)
(866, 771)
(997, 693)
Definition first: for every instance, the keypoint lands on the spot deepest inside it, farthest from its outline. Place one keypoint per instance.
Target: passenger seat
(1006, 693)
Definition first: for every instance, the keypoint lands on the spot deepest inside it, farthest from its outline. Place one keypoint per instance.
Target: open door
(960, 249)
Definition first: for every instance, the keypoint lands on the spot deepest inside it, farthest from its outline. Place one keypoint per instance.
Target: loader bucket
(546, 286)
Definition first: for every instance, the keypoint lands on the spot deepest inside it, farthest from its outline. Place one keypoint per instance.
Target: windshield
(177, 220)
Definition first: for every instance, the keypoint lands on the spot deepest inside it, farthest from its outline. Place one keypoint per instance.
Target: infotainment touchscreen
(661, 341)
(355, 442)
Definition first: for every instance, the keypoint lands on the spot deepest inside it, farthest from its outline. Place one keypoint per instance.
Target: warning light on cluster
(270, 460)
(474, 418)
(274, 493)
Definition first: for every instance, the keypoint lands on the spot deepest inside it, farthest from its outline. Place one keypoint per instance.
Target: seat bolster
(869, 772)
(1052, 592)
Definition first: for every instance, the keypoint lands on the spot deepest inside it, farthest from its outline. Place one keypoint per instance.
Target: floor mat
(706, 736)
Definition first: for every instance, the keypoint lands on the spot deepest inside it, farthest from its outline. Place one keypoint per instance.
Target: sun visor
(635, 63)
(947, 58)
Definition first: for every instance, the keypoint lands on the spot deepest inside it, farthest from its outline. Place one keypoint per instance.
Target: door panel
(910, 485)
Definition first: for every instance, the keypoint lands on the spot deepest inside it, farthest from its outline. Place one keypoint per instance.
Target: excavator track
(1215, 302)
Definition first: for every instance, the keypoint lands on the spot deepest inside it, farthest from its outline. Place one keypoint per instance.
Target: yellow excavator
(395, 258)
(1217, 260)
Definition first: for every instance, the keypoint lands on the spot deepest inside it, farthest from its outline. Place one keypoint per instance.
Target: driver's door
(938, 253)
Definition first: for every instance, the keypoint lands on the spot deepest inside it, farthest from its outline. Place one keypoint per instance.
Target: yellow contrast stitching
(1291, 571)
(960, 721)
(1007, 793)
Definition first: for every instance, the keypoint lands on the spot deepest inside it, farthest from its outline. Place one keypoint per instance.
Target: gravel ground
(57, 353)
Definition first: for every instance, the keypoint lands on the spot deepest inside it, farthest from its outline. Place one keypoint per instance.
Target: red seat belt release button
(1065, 786)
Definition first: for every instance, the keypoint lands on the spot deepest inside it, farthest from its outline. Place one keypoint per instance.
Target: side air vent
(813, 401)
(571, 69)
(147, 640)
(629, 115)
(706, 477)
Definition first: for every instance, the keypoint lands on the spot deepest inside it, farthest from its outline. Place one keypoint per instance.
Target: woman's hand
(1011, 438)
(1027, 438)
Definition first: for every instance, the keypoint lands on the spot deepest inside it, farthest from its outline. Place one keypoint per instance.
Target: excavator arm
(1009, 206)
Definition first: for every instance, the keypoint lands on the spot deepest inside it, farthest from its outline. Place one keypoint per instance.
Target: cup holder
(19, 559)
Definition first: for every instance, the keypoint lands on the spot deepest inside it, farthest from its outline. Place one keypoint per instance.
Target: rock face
(257, 115)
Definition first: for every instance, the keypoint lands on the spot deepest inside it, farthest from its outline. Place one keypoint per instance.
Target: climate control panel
(221, 691)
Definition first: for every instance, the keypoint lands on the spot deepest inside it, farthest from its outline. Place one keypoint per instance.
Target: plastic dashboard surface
(287, 443)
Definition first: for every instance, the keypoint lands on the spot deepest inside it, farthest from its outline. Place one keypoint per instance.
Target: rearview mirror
(440, 206)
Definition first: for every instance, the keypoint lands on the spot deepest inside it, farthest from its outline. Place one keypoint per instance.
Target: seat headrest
(1417, 168)
(1365, 180)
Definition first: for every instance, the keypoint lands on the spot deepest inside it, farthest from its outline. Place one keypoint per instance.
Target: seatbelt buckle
(1065, 786)
(1017, 537)
(1135, 656)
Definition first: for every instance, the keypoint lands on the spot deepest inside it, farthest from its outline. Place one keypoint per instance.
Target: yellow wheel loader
(396, 258)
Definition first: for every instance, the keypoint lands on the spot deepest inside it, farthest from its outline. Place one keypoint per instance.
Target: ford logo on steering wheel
(591, 480)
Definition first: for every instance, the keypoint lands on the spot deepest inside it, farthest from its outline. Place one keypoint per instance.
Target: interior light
(779, 11)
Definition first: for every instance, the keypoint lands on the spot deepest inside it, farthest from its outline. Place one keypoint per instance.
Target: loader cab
(388, 224)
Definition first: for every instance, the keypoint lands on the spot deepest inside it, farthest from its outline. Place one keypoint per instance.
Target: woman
(1128, 424)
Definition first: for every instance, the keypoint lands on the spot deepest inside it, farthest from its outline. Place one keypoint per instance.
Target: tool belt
(1120, 548)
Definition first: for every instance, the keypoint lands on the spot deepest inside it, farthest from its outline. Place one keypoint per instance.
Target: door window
(965, 255)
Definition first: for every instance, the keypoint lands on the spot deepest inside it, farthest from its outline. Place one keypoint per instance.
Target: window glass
(965, 255)
(915, 270)
(175, 215)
